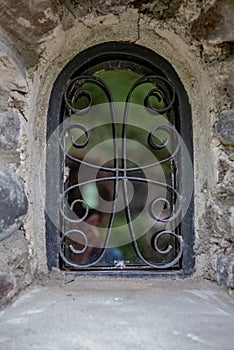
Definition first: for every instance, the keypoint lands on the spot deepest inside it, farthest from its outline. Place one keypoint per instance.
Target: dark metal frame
(73, 71)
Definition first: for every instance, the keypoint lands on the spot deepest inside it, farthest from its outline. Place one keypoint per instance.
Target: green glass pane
(119, 82)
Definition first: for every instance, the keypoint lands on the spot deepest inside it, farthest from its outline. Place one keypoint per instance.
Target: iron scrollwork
(121, 172)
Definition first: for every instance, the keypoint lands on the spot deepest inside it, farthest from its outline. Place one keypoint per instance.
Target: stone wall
(38, 38)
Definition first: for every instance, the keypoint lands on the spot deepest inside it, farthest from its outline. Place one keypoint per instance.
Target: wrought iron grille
(124, 183)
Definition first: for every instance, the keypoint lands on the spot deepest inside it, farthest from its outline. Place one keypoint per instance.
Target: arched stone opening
(153, 75)
(203, 62)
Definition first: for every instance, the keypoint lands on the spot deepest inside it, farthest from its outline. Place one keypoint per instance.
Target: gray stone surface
(159, 9)
(9, 129)
(231, 157)
(7, 287)
(4, 97)
(78, 8)
(225, 269)
(14, 258)
(12, 73)
(94, 313)
(110, 6)
(225, 127)
(13, 202)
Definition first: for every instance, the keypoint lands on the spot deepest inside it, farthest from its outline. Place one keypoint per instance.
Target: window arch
(119, 164)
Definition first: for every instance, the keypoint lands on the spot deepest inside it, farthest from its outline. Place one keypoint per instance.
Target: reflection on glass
(91, 194)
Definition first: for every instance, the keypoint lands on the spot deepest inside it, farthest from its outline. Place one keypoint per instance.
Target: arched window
(119, 164)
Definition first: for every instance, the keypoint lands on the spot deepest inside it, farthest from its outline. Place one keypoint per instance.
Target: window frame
(80, 63)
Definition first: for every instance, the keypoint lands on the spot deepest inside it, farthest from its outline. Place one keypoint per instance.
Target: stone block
(225, 270)
(13, 202)
(225, 127)
(9, 130)
(7, 287)
(111, 6)
(216, 25)
(4, 98)
(12, 74)
(14, 255)
(28, 20)
(79, 8)
(159, 9)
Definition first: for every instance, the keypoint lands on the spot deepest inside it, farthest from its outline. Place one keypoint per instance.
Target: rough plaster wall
(202, 59)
